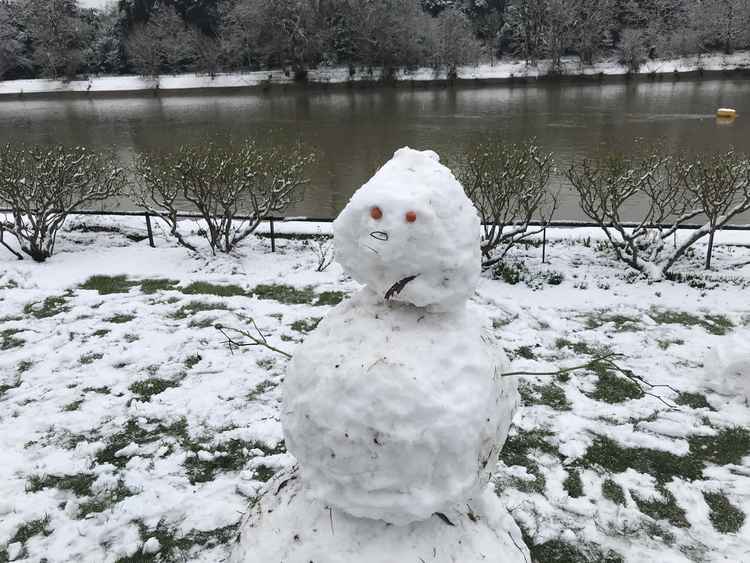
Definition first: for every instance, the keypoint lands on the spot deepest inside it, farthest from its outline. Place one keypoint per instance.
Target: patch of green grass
(713, 324)
(285, 294)
(130, 338)
(621, 323)
(666, 509)
(581, 348)
(205, 288)
(306, 325)
(100, 390)
(30, 529)
(24, 366)
(665, 344)
(511, 274)
(259, 389)
(524, 352)
(196, 307)
(730, 445)
(613, 388)
(614, 492)
(553, 396)
(48, 308)
(330, 298)
(193, 360)
(558, 551)
(573, 484)
(90, 358)
(107, 285)
(74, 406)
(663, 466)
(151, 286)
(176, 547)
(79, 484)
(104, 500)
(134, 432)
(229, 456)
(694, 401)
(147, 388)
(208, 322)
(120, 318)
(522, 449)
(725, 517)
(101, 332)
(8, 339)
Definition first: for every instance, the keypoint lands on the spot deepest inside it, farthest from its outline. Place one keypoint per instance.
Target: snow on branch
(43, 185)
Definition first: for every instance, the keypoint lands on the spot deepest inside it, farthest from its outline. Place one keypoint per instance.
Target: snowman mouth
(399, 286)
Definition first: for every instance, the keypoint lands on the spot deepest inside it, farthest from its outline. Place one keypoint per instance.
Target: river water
(355, 130)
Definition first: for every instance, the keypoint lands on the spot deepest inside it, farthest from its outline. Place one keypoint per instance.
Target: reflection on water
(356, 130)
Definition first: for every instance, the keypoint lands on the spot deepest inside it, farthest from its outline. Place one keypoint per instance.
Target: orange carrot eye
(411, 216)
(376, 213)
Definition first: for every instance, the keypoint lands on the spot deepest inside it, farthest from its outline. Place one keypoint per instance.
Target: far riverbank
(503, 71)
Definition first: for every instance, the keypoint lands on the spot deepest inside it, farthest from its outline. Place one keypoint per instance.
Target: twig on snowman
(258, 339)
(607, 361)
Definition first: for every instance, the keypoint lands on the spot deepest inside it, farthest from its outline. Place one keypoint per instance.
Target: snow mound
(728, 367)
(412, 221)
(395, 414)
(287, 525)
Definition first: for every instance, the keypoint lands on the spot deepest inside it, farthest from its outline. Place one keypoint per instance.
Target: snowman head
(411, 235)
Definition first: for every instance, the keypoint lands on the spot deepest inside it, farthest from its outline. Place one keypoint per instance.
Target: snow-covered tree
(54, 30)
(452, 42)
(524, 22)
(163, 44)
(13, 55)
(43, 185)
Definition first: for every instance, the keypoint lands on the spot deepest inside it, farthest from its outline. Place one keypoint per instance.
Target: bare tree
(723, 24)
(667, 187)
(12, 51)
(42, 186)
(591, 28)
(721, 187)
(162, 44)
(524, 20)
(232, 188)
(558, 31)
(452, 41)
(509, 184)
(54, 28)
(633, 49)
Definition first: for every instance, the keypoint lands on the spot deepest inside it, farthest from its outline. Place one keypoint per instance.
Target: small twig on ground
(607, 361)
(257, 339)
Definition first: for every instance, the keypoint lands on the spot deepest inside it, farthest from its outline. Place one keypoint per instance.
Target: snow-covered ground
(130, 432)
(498, 70)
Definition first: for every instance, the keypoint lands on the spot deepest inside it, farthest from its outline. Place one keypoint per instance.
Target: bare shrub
(233, 188)
(673, 191)
(43, 185)
(322, 247)
(720, 186)
(509, 184)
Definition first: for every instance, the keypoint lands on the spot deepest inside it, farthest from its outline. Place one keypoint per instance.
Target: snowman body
(395, 414)
(396, 406)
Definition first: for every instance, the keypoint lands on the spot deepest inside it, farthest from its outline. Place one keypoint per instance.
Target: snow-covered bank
(497, 71)
(126, 425)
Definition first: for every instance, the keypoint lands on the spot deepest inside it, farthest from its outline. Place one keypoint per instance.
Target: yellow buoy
(726, 112)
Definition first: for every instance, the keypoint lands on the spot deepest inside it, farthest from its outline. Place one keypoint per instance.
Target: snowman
(395, 407)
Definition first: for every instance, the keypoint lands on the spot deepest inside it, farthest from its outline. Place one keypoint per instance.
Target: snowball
(412, 221)
(151, 545)
(287, 525)
(395, 413)
(728, 367)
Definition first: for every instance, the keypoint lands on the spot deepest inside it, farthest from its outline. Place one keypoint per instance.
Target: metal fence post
(150, 232)
(544, 245)
(273, 239)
